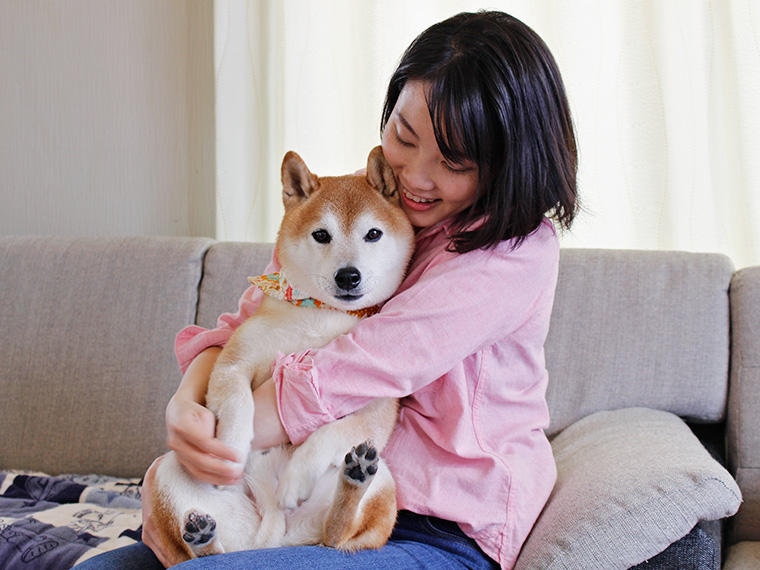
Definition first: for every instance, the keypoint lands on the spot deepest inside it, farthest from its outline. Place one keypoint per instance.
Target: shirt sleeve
(455, 308)
(193, 340)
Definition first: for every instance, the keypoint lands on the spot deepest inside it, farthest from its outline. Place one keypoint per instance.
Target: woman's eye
(373, 235)
(401, 141)
(321, 236)
(457, 168)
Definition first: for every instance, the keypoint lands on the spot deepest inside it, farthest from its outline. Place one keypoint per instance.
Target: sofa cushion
(743, 556)
(630, 482)
(639, 329)
(87, 362)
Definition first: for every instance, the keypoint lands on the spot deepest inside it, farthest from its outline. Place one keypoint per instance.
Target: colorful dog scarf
(277, 285)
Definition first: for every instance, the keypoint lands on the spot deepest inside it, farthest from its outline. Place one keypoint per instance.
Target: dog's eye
(373, 235)
(321, 236)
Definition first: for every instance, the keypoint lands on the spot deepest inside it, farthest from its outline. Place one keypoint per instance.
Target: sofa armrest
(744, 400)
(630, 482)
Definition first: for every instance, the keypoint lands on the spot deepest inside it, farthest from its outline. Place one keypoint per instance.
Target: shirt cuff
(193, 340)
(298, 398)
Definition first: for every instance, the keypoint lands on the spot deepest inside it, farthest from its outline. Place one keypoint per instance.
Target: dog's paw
(199, 529)
(361, 464)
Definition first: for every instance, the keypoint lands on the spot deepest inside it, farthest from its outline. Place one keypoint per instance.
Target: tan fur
(349, 528)
(165, 522)
(302, 495)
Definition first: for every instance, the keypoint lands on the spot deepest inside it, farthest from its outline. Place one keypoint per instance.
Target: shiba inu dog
(343, 245)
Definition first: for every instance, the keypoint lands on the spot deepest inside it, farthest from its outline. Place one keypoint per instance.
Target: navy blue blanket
(55, 522)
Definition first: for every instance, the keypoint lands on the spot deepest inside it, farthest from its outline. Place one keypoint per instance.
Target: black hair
(496, 98)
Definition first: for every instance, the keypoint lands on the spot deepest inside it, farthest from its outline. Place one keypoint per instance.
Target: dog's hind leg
(199, 533)
(364, 510)
(197, 519)
(326, 447)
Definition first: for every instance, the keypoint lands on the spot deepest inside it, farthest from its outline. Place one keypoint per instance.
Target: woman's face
(431, 188)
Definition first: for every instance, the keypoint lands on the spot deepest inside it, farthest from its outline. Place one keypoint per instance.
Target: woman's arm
(191, 427)
(448, 311)
(267, 425)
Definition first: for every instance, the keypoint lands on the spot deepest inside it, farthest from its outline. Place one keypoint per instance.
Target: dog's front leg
(230, 398)
(242, 365)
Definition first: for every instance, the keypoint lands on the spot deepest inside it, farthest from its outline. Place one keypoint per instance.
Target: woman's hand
(191, 429)
(191, 426)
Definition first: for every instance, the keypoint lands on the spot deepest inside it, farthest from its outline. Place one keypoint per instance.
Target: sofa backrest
(87, 363)
(639, 328)
(225, 277)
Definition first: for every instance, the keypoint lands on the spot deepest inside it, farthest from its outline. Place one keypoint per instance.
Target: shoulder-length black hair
(496, 98)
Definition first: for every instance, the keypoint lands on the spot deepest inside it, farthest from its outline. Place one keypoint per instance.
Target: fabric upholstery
(227, 268)
(743, 556)
(630, 482)
(87, 358)
(634, 328)
(744, 400)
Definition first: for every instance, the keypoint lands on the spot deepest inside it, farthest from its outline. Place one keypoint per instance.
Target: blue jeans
(418, 542)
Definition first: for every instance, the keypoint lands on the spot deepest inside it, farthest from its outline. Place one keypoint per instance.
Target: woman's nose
(419, 173)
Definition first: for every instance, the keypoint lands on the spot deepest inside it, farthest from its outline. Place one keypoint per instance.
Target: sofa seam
(203, 255)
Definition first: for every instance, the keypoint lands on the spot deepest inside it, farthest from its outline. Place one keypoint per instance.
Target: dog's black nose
(348, 278)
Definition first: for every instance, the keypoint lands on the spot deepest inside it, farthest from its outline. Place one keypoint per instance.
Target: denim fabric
(418, 542)
(695, 551)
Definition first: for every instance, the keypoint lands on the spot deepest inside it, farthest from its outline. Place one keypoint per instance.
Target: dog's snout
(348, 278)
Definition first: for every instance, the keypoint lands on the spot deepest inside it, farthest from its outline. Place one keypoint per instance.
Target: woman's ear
(380, 174)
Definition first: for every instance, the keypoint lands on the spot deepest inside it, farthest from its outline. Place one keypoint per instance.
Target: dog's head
(344, 240)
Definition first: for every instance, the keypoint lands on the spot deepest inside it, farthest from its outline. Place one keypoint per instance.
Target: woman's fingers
(191, 429)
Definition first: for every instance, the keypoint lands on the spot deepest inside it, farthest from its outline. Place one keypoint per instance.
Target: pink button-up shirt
(461, 344)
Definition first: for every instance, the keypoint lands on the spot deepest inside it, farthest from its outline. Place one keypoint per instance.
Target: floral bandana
(277, 285)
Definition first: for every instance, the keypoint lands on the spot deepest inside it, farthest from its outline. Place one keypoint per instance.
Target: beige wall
(106, 117)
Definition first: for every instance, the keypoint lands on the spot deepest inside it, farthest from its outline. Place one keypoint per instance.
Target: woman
(477, 129)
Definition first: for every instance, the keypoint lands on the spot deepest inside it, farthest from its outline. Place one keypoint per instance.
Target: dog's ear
(380, 174)
(297, 181)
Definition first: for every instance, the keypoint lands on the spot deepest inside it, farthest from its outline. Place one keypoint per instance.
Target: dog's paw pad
(199, 529)
(361, 463)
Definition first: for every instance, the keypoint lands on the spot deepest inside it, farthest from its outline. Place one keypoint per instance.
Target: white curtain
(665, 95)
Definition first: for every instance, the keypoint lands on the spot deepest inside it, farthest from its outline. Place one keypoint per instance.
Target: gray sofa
(655, 384)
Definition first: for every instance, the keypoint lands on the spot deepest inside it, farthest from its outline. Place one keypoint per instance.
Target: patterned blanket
(55, 522)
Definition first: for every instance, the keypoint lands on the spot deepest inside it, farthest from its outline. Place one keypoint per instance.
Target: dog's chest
(321, 325)
(311, 327)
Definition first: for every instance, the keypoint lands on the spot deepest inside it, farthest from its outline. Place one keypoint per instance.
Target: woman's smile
(417, 202)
